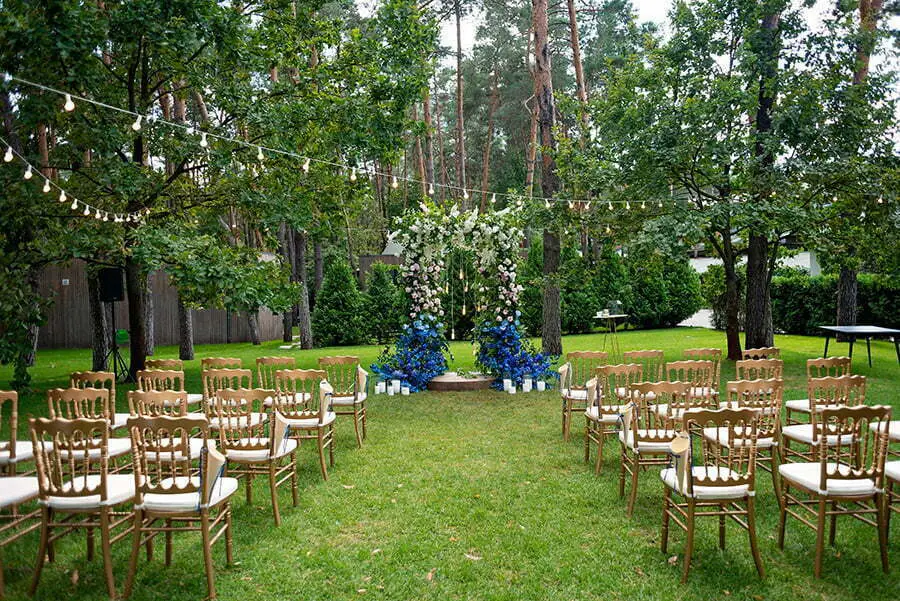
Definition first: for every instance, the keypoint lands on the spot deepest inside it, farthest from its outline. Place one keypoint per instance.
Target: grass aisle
(475, 496)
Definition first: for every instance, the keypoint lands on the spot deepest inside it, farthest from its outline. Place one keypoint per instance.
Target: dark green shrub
(531, 299)
(712, 291)
(384, 303)
(663, 291)
(338, 317)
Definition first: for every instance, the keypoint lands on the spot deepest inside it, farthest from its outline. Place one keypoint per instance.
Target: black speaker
(112, 286)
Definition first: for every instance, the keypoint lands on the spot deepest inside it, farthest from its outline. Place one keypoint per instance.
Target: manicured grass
(475, 496)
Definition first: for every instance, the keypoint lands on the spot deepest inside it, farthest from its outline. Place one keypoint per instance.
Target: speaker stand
(119, 367)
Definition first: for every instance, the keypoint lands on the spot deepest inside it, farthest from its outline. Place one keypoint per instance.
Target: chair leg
(689, 545)
(169, 536)
(565, 432)
(587, 439)
(293, 464)
(321, 439)
(751, 532)
(331, 444)
(635, 467)
(365, 418)
(207, 554)
(249, 482)
(46, 516)
(782, 521)
(881, 506)
(722, 532)
(106, 550)
(776, 477)
(820, 537)
(90, 544)
(598, 464)
(135, 550)
(623, 457)
(356, 427)
(229, 542)
(274, 492)
(664, 534)
(832, 529)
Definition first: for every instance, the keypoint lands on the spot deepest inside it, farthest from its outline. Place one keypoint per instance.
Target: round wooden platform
(450, 382)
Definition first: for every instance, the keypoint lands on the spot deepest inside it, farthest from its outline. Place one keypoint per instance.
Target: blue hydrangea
(503, 353)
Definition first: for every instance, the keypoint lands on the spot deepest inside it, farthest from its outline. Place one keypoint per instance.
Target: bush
(712, 289)
(338, 317)
(531, 299)
(664, 291)
(384, 303)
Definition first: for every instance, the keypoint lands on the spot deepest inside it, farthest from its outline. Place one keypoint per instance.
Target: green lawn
(475, 496)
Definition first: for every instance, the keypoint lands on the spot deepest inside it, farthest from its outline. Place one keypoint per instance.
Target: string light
(9, 154)
(203, 142)
(608, 230)
(306, 165)
(74, 204)
(571, 204)
(493, 198)
(353, 175)
(28, 174)
(87, 210)
(659, 204)
(69, 106)
(547, 203)
(46, 187)
(880, 199)
(430, 189)
(465, 195)
(259, 154)
(587, 207)
(136, 126)
(609, 205)
(62, 196)
(105, 216)
(97, 215)
(643, 204)
(394, 183)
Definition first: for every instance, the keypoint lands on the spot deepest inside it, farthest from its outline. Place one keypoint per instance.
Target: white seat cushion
(194, 397)
(310, 422)
(24, 452)
(648, 447)
(893, 430)
(344, 401)
(802, 406)
(240, 421)
(662, 410)
(808, 476)
(261, 455)
(702, 391)
(119, 420)
(299, 397)
(194, 444)
(610, 414)
(119, 489)
(737, 491)
(17, 490)
(188, 501)
(804, 433)
(727, 405)
(721, 435)
(117, 448)
(577, 394)
(892, 470)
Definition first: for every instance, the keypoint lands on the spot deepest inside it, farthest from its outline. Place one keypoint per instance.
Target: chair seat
(117, 448)
(808, 475)
(661, 446)
(348, 400)
(119, 421)
(893, 430)
(309, 423)
(194, 445)
(259, 455)
(299, 397)
(736, 491)
(662, 410)
(804, 433)
(239, 421)
(892, 470)
(194, 397)
(610, 415)
(187, 501)
(119, 489)
(622, 393)
(24, 452)
(703, 391)
(765, 411)
(576, 394)
(721, 434)
(16, 490)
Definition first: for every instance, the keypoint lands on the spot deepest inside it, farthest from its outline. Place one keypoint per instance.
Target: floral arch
(494, 239)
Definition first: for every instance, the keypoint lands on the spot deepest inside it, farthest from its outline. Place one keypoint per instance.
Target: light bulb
(136, 126)
(69, 106)
(190, 130)
(659, 204)
(97, 214)
(587, 207)
(105, 216)
(87, 210)
(609, 206)
(74, 205)
(259, 153)
(9, 155)
(466, 194)
(62, 196)
(607, 229)
(880, 200)
(571, 204)
(493, 198)
(394, 183)
(643, 204)
(627, 206)
(306, 165)
(127, 218)
(28, 173)
(547, 203)
(353, 175)
(46, 187)
(203, 142)
(430, 189)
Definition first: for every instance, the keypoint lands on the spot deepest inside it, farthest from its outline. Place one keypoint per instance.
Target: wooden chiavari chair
(825, 393)
(266, 368)
(349, 381)
(15, 491)
(718, 481)
(87, 403)
(816, 368)
(216, 379)
(220, 363)
(846, 480)
(100, 379)
(152, 403)
(608, 393)
(766, 352)
(708, 354)
(13, 452)
(303, 398)
(573, 378)
(165, 364)
(169, 489)
(643, 435)
(698, 377)
(652, 362)
(76, 490)
(759, 369)
(244, 442)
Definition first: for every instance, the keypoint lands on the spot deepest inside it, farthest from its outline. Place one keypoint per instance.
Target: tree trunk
(150, 317)
(531, 157)
(551, 335)
(253, 326)
(486, 157)
(732, 313)
(301, 241)
(460, 123)
(100, 327)
(758, 320)
(318, 266)
(846, 297)
(136, 283)
(429, 138)
(420, 156)
(185, 331)
(576, 63)
(442, 192)
(288, 253)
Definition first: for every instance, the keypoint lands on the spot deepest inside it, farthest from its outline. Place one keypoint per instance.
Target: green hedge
(801, 302)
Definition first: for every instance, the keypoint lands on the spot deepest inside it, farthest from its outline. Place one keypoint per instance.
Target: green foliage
(338, 317)
(384, 303)
(532, 296)
(712, 290)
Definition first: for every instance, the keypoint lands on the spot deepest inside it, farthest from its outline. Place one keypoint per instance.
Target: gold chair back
(168, 364)
(218, 379)
(727, 454)
(700, 374)
(152, 403)
(759, 369)
(78, 403)
(95, 379)
(234, 409)
(765, 396)
(708, 354)
(831, 366)
(67, 452)
(341, 373)
(766, 352)
(614, 384)
(160, 379)
(302, 393)
(9, 421)
(653, 363)
(856, 444)
(220, 363)
(267, 366)
(639, 417)
(582, 365)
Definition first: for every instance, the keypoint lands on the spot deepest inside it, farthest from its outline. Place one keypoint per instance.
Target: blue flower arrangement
(417, 356)
(503, 353)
